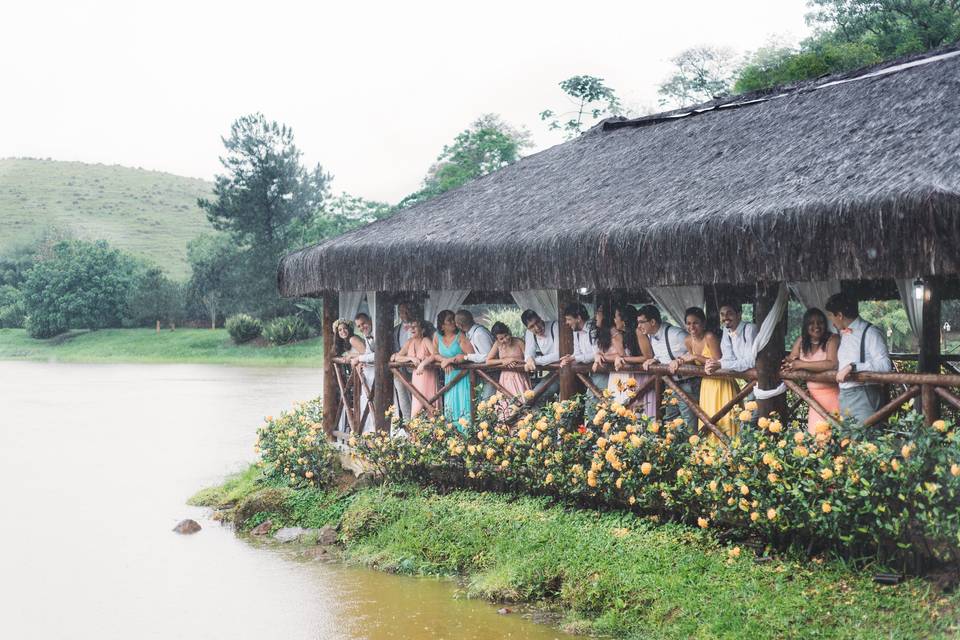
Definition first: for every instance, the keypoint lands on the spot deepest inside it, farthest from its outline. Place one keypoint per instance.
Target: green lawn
(148, 213)
(203, 346)
(613, 573)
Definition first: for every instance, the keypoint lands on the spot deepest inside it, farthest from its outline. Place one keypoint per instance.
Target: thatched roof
(849, 180)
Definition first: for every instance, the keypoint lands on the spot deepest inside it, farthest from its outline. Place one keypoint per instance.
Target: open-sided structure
(848, 182)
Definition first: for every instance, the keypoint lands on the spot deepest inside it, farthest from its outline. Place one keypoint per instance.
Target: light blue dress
(456, 401)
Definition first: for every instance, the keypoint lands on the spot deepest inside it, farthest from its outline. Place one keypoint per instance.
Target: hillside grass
(148, 213)
(614, 573)
(200, 346)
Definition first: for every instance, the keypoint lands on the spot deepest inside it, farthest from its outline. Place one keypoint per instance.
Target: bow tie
(846, 331)
(733, 334)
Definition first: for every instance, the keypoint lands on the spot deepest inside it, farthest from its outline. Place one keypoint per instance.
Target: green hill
(148, 213)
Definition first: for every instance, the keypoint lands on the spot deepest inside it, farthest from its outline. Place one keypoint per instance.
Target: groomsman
(576, 316)
(482, 341)
(736, 345)
(669, 343)
(541, 346)
(401, 334)
(863, 347)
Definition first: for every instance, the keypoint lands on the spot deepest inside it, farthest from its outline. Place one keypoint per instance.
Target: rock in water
(327, 536)
(187, 526)
(289, 534)
(262, 529)
(505, 611)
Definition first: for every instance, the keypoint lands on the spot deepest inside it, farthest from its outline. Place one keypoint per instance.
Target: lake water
(96, 462)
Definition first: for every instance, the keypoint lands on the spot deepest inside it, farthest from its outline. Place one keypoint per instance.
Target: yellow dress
(714, 394)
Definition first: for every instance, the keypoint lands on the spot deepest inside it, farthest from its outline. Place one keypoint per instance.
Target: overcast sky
(373, 90)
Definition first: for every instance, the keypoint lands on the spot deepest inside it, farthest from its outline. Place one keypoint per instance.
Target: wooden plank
(697, 410)
(947, 396)
(347, 409)
(496, 384)
(810, 400)
(592, 388)
(892, 406)
(427, 405)
(725, 409)
(443, 390)
(382, 377)
(331, 399)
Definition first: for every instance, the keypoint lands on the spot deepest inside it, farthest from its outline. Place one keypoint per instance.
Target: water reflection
(95, 463)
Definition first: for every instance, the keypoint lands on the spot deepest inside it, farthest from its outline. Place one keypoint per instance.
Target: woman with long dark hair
(419, 347)
(448, 343)
(616, 337)
(815, 351)
(348, 343)
(703, 345)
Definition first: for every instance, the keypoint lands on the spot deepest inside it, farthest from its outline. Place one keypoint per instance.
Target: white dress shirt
(482, 341)
(736, 347)
(876, 357)
(400, 337)
(548, 343)
(584, 348)
(658, 342)
(368, 356)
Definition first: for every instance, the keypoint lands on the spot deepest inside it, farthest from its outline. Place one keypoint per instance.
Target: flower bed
(294, 448)
(894, 490)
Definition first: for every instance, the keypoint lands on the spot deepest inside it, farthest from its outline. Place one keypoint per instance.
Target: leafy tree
(153, 298)
(890, 316)
(12, 312)
(339, 215)
(486, 145)
(591, 100)
(702, 73)
(774, 66)
(82, 285)
(214, 276)
(262, 200)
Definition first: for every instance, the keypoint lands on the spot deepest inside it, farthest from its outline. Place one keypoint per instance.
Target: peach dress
(516, 382)
(426, 381)
(825, 393)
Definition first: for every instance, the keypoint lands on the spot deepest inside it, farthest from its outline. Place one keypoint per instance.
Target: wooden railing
(928, 386)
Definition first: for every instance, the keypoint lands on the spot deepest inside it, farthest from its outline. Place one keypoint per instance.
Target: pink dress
(516, 382)
(426, 381)
(825, 393)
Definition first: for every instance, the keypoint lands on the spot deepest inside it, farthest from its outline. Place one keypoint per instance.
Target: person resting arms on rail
(541, 346)
(669, 343)
(416, 350)
(507, 351)
(815, 350)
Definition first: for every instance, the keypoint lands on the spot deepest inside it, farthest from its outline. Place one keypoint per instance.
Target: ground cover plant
(243, 328)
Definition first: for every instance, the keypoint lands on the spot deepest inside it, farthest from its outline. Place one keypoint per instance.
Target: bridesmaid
(507, 351)
(348, 343)
(417, 349)
(449, 343)
(637, 350)
(703, 345)
(815, 351)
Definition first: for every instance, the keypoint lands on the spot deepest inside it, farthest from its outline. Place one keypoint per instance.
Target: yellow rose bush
(835, 487)
(294, 449)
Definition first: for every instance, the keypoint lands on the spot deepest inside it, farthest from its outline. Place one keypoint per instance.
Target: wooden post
(568, 379)
(929, 351)
(770, 357)
(383, 377)
(331, 399)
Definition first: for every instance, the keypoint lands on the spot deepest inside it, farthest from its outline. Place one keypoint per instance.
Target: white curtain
(764, 334)
(815, 294)
(913, 307)
(543, 301)
(443, 299)
(350, 303)
(676, 300)
(372, 309)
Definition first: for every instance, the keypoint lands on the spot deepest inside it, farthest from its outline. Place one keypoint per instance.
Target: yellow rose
(535, 434)
(528, 394)
(548, 479)
(751, 406)
(734, 553)
(632, 500)
(776, 427)
(703, 523)
(598, 418)
(768, 458)
(744, 489)
(939, 425)
(826, 508)
(522, 434)
(308, 474)
(746, 416)
(591, 480)
(763, 423)
(826, 473)
(771, 514)
(754, 516)
(801, 451)
(601, 443)
(713, 485)
(955, 469)
(772, 477)
(895, 464)
(653, 427)
(646, 468)
(619, 483)
(906, 450)
(798, 437)
(490, 453)
(694, 440)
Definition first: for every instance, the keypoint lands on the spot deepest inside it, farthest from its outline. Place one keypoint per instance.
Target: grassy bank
(611, 572)
(202, 346)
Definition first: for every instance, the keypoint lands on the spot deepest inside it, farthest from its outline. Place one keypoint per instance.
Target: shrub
(898, 490)
(294, 448)
(42, 328)
(286, 330)
(12, 311)
(243, 328)
(509, 316)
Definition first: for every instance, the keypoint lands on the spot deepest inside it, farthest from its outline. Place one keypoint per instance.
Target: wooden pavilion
(848, 182)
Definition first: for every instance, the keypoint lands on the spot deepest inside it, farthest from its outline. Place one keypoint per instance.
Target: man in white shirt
(541, 346)
(365, 362)
(736, 345)
(668, 343)
(576, 316)
(482, 341)
(863, 347)
(401, 334)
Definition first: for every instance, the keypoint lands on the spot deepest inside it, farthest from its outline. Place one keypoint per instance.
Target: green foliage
(778, 65)
(339, 215)
(702, 73)
(294, 448)
(153, 297)
(214, 277)
(262, 201)
(508, 315)
(592, 100)
(12, 310)
(243, 328)
(775, 481)
(890, 316)
(486, 145)
(82, 285)
(149, 214)
(236, 487)
(286, 329)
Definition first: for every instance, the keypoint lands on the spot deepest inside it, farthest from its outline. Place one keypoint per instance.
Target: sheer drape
(676, 300)
(350, 303)
(443, 299)
(815, 294)
(543, 301)
(764, 334)
(913, 307)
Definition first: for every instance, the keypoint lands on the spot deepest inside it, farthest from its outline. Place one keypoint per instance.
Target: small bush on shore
(286, 330)
(294, 448)
(897, 491)
(243, 328)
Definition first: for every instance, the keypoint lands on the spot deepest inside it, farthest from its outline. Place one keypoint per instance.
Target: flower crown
(342, 321)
